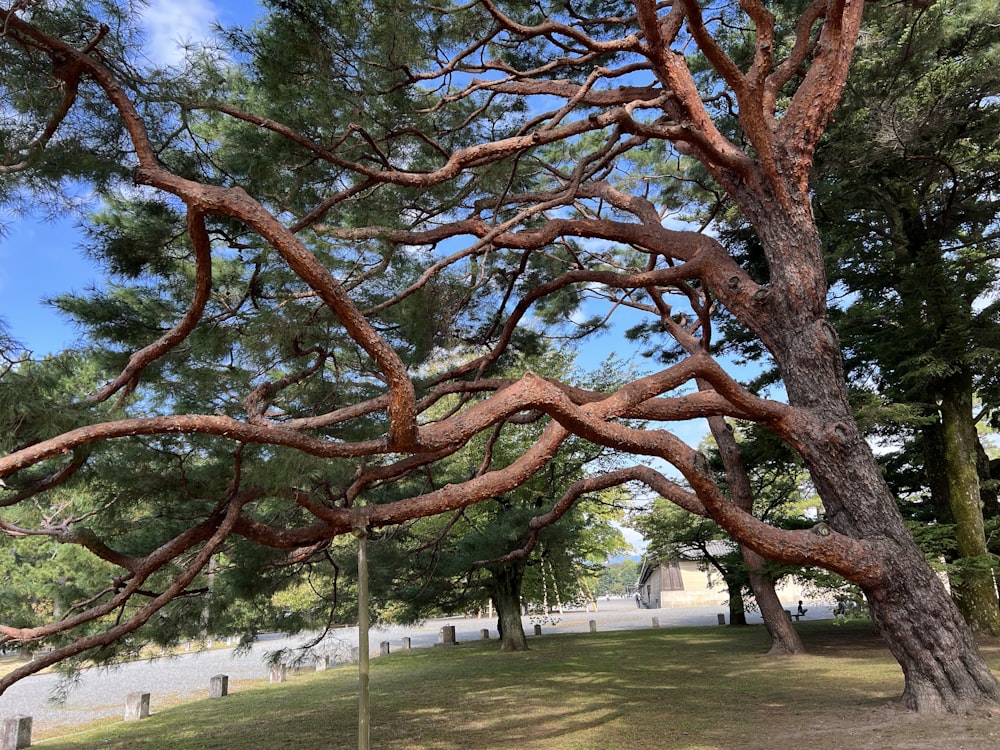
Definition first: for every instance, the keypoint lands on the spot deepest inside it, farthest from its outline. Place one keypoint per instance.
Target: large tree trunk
(973, 587)
(506, 595)
(911, 608)
(941, 663)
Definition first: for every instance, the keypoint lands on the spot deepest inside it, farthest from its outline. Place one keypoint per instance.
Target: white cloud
(637, 540)
(171, 24)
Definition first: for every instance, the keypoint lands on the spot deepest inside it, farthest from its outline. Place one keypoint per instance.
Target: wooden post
(218, 686)
(407, 644)
(593, 626)
(15, 732)
(484, 633)
(383, 648)
(538, 629)
(656, 622)
(278, 673)
(722, 619)
(322, 663)
(447, 636)
(364, 665)
(136, 706)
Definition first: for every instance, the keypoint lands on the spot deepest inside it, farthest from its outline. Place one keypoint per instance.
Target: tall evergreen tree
(470, 161)
(908, 210)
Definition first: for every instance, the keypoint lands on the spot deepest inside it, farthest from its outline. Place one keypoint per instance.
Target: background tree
(909, 218)
(776, 486)
(618, 578)
(487, 556)
(490, 551)
(507, 151)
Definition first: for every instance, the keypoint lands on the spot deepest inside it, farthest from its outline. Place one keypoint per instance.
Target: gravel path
(101, 692)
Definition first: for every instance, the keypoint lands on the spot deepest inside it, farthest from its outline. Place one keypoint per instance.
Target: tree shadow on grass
(642, 690)
(675, 689)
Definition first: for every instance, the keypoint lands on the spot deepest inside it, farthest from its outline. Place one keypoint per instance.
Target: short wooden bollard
(322, 663)
(383, 648)
(447, 636)
(15, 732)
(484, 634)
(136, 706)
(593, 626)
(407, 644)
(218, 686)
(656, 622)
(722, 619)
(355, 655)
(278, 673)
(538, 629)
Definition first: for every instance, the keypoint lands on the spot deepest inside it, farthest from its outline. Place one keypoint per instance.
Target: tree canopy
(359, 211)
(910, 223)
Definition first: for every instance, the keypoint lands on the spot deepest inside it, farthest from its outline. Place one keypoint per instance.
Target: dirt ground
(893, 728)
(889, 726)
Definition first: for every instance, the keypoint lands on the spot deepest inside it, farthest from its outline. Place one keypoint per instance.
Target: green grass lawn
(669, 689)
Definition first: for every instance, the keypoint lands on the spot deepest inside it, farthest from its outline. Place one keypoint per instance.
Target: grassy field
(668, 689)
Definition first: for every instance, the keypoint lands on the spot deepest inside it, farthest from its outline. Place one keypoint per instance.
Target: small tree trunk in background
(988, 495)
(784, 638)
(973, 588)
(364, 696)
(506, 595)
(737, 608)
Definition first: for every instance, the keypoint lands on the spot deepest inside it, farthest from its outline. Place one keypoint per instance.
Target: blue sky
(41, 259)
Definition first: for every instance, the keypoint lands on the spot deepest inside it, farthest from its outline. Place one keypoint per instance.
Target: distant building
(685, 581)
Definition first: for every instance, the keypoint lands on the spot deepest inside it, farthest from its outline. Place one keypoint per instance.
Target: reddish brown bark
(767, 181)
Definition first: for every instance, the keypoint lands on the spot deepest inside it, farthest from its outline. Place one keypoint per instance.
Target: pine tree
(433, 174)
(909, 220)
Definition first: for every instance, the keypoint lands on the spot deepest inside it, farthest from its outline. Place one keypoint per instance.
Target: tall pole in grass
(364, 701)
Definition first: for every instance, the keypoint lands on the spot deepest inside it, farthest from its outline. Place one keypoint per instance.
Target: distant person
(801, 611)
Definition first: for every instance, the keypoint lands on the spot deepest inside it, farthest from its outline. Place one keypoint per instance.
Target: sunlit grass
(682, 689)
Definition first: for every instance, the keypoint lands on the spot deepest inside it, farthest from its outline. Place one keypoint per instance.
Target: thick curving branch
(212, 542)
(236, 203)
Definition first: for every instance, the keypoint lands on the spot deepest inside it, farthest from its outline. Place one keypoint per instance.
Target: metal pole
(364, 700)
